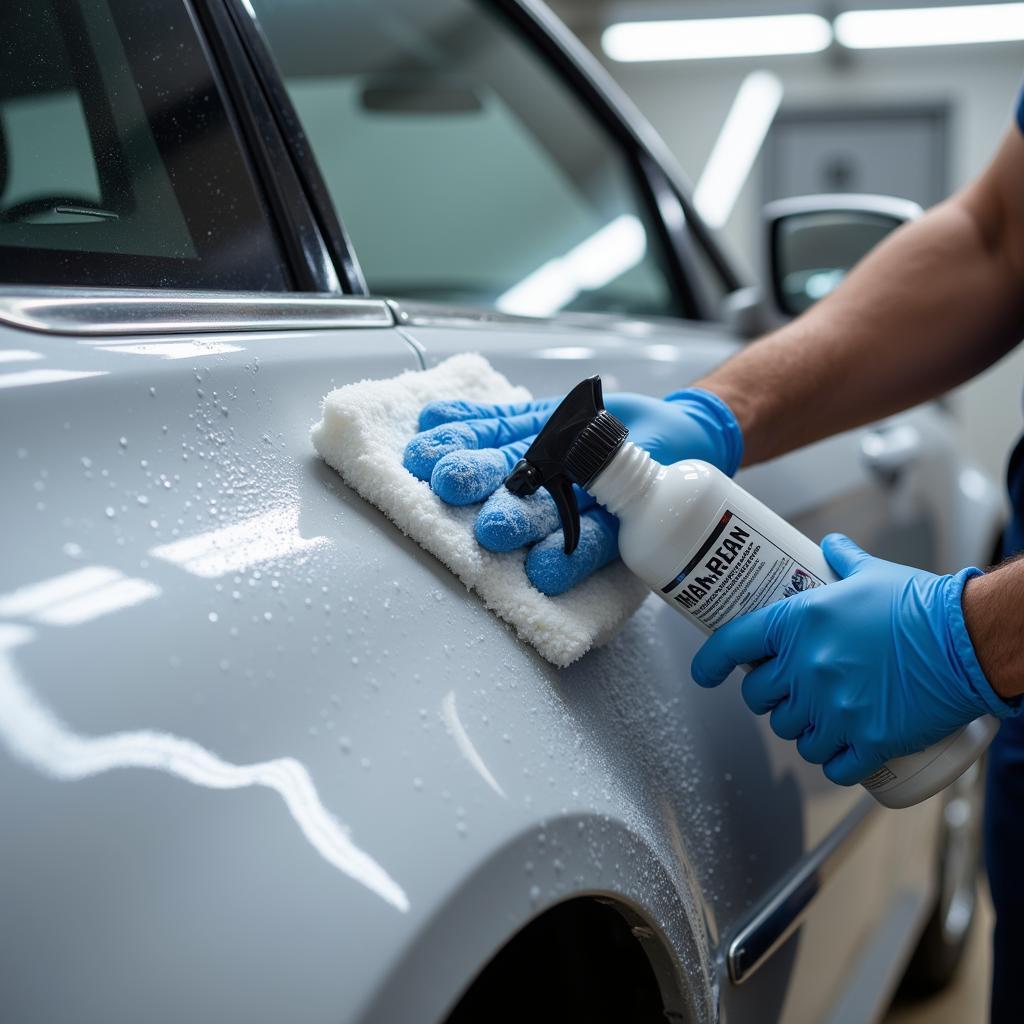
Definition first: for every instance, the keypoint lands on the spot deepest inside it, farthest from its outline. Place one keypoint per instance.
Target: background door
(885, 151)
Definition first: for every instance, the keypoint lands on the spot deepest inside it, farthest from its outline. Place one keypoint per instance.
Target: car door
(501, 211)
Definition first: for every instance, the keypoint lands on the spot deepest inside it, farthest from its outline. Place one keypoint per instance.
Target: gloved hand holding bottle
(467, 449)
(861, 671)
(875, 666)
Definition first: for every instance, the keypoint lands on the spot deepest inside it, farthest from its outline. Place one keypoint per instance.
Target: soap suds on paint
(363, 434)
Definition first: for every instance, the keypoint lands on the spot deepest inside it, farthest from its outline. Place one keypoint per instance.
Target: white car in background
(262, 758)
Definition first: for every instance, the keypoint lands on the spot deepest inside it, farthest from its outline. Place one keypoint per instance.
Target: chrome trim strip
(781, 914)
(92, 312)
(434, 314)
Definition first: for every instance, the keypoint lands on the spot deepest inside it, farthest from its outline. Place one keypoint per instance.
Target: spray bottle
(708, 548)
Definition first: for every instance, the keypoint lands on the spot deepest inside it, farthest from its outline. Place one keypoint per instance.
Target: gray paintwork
(263, 759)
(279, 617)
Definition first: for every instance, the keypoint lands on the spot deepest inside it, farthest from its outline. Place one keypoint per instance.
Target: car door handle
(889, 451)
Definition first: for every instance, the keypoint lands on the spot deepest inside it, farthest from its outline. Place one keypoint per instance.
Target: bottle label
(735, 570)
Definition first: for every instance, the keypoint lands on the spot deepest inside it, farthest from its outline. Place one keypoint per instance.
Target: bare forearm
(994, 613)
(937, 302)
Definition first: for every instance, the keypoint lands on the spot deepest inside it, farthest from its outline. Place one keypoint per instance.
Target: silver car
(263, 759)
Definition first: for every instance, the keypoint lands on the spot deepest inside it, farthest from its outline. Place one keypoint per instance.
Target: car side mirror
(814, 241)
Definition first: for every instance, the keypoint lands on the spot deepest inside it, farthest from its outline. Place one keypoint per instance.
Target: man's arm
(994, 613)
(933, 305)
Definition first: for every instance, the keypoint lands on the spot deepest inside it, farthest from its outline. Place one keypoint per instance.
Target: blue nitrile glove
(874, 666)
(466, 450)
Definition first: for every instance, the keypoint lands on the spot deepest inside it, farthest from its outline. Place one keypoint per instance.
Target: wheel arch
(511, 889)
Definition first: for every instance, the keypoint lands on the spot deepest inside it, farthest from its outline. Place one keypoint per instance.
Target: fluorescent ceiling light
(737, 146)
(700, 39)
(931, 26)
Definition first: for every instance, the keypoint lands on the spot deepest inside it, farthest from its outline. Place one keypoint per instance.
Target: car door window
(462, 167)
(118, 162)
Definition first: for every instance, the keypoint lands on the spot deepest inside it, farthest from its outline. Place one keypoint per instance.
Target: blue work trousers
(1004, 854)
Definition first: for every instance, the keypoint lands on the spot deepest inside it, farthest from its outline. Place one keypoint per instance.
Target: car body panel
(271, 614)
(828, 486)
(266, 759)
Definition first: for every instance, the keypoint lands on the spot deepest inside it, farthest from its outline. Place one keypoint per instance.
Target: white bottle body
(713, 551)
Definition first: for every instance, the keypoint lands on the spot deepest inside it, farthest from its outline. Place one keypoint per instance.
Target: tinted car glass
(118, 162)
(464, 169)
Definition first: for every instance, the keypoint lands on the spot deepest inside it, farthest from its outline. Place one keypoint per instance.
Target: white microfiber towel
(363, 434)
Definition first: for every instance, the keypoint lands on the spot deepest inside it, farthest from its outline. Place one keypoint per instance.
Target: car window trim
(266, 148)
(277, 115)
(99, 312)
(425, 313)
(669, 211)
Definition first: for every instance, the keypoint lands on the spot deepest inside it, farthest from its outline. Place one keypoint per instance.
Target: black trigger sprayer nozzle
(577, 442)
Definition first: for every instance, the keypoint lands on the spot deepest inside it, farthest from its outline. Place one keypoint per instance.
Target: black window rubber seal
(312, 268)
(278, 106)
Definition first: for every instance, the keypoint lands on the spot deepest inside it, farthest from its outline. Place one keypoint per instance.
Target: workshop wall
(687, 102)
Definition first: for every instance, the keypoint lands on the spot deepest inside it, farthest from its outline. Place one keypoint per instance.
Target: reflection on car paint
(567, 352)
(597, 261)
(27, 378)
(35, 735)
(174, 349)
(18, 355)
(272, 535)
(77, 597)
(450, 714)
